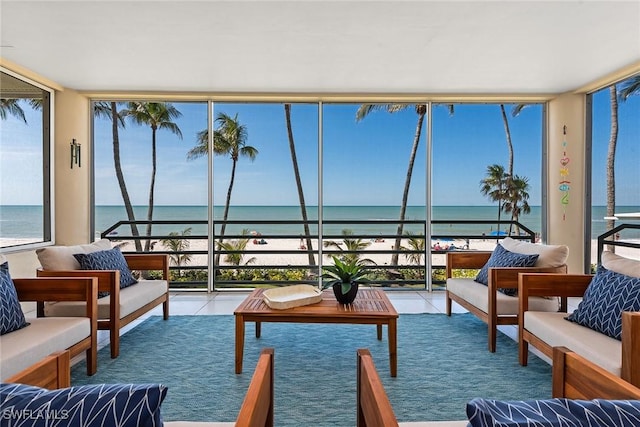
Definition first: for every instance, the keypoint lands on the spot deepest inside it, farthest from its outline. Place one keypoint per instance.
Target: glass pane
(615, 159)
(24, 199)
(262, 238)
(374, 189)
(143, 172)
(471, 170)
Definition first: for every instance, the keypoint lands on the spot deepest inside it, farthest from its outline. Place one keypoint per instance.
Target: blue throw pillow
(504, 258)
(553, 413)
(606, 297)
(11, 315)
(111, 259)
(96, 405)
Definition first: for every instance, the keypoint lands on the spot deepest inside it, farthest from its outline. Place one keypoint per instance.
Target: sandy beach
(296, 256)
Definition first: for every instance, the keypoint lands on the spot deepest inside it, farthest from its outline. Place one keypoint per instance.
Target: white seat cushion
(478, 295)
(131, 298)
(594, 346)
(29, 345)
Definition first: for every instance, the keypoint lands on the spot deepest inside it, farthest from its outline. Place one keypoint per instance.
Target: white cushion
(620, 264)
(24, 347)
(478, 295)
(554, 330)
(61, 257)
(549, 255)
(3, 259)
(131, 298)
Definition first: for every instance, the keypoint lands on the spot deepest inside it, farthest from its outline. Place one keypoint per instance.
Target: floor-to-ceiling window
(615, 175)
(25, 163)
(289, 185)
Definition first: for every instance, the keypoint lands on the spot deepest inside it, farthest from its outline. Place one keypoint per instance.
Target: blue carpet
(443, 362)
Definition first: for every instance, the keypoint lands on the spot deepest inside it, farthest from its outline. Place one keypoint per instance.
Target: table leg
(393, 347)
(379, 328)
(239, 342)
(258, 329)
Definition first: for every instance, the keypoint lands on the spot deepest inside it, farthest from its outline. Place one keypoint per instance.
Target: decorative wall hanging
(565, 184)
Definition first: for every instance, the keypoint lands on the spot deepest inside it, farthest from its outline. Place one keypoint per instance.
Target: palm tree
(230, 138)
(176, 243)
(517, 199)
(11, 107)
(236, 245)
(611, 158)
(296, 172)
(494, 186)
(421, 110)
(415, 243)
(109, 111)
(157, 115)
(352, 247)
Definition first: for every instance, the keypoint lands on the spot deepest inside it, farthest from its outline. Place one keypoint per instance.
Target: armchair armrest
(149, 262)
(550, 285)
(463, 259)
(60, 289)
(507, 277)
(108, 280)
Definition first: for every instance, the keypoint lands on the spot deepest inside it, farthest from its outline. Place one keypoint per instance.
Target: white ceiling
(440, 47)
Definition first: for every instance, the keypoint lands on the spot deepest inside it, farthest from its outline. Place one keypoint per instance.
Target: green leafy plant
(344, 272)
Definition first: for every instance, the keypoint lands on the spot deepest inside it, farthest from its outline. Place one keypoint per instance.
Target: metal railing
(410, 272)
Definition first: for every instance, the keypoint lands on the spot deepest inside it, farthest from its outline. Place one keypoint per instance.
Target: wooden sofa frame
(52, 372)
(573, 377)
(109, 281)
(499, 277)
(574, 285)
(67, 289)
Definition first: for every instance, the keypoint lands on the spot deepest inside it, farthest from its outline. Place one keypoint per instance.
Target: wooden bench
(110, 309)
(573, 377)
(485, 302)
(22, 349)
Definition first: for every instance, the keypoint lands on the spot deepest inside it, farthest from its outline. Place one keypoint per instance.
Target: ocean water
(26, 221)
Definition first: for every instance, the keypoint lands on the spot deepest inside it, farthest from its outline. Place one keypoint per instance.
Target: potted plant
(344, 276)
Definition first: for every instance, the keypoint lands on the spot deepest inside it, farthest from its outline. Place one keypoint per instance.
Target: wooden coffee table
(370, 307)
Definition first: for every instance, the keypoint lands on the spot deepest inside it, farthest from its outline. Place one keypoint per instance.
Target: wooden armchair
(485, 302)
(547, 330)
(122, 306)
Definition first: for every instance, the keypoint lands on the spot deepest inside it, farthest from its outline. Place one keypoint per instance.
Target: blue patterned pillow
(97, 405)
(606, 297)
(11, 315)
(111, 259)
(553, 413)
(504, 258)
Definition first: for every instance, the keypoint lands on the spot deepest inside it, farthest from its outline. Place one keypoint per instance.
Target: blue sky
(364, 162)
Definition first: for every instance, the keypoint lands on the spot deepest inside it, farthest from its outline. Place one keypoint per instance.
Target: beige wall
(566, 221)
(72, 186)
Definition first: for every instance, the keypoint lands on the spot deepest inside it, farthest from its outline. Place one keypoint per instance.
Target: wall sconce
(75, 154)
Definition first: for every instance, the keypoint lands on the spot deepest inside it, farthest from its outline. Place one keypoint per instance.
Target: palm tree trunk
(118, 166)
(611, 159)
(505, 121)
(226, 207)
(407, 184)
(147, 244)
(296, 172)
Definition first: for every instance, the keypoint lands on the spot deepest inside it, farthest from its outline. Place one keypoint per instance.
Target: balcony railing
(277, 264)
